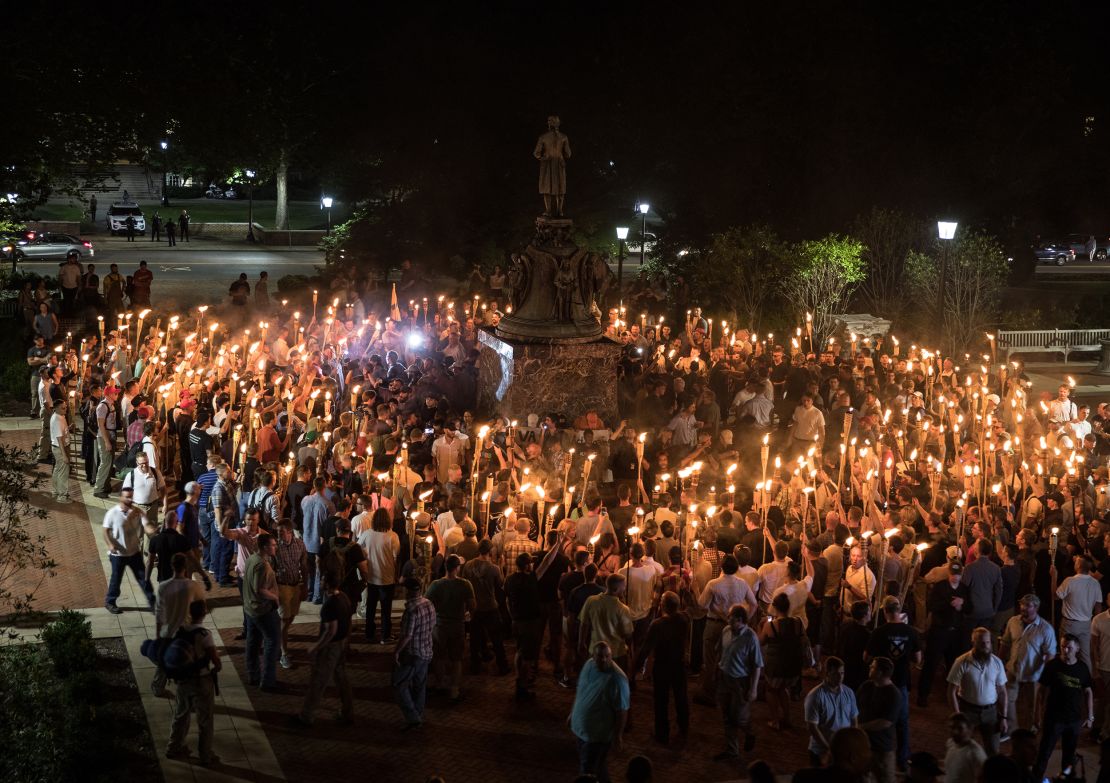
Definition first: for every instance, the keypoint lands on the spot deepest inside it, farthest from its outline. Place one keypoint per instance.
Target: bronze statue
(553, 151)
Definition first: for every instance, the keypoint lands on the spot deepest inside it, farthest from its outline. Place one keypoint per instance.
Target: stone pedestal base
(1104, 358)
(516, 378)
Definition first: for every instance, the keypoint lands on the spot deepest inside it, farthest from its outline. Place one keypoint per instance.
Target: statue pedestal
(516, 378)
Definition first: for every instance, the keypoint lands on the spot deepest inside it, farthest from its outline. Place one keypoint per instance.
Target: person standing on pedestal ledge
(553, 152)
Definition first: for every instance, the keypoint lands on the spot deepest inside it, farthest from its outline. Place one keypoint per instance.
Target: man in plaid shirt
(520, 544)
(414, 653)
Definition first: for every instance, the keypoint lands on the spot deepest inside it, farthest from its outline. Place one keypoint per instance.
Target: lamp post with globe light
(250, 207)
(644, 207)
(622, 234)
(946, 230)
(325, 203)
(165, 165)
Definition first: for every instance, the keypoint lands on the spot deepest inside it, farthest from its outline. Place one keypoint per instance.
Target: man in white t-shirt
(773, 575)
(639, 589)
(123, 532)
(809, 425)
(1082, 599)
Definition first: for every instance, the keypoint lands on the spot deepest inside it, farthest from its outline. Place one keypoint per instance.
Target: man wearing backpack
(171, 610)
(197, 691)
(260, 605)
(453, 598)
(343, 556)
(106, 425)
(149, 490)
(263, 498)
(329, 653)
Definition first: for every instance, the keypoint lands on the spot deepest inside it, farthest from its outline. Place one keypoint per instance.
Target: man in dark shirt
(340, 548)
(568, 583)
(943, 640)
(668, 638)
(1065, 703)
(329, 653)
(880, 705)
(200, 442)
(753, 538)
(295, 493)
(552, 567)
(900, 642)
(163, 546)
(485, 621)
(522, 592)
(853, 643)
(1011, 575)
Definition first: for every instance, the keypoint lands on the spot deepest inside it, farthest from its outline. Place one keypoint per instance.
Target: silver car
(43, 245)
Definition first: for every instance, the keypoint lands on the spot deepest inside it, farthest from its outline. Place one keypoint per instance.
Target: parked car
(1054, 252)
(1078, 243)
(116, 219)
(42, 245)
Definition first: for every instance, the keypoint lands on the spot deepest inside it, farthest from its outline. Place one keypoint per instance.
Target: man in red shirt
(270, 446)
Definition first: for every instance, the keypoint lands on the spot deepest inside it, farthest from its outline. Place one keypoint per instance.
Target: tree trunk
(281, 219)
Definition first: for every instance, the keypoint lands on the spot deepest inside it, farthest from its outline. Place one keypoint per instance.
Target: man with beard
(977, 689)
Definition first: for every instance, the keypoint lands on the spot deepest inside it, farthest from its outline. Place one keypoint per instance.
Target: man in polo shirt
(106, 426)
(1027, 643)
(829, 707)
(977, 688)
(718, 597)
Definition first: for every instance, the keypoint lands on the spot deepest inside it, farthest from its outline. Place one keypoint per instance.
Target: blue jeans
(410, 679)
(204, 522)
(902, 728)
(382, 594)
(263, 637)
(119, 564)
(221, 553)
(591, 759)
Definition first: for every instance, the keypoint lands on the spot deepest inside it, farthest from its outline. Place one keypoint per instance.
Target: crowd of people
(754, 514)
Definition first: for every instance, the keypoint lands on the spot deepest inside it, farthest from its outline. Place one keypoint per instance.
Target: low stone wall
(59, 226)
(218, 230)
(269, 236)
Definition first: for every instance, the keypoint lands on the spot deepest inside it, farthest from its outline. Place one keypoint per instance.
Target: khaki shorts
(289, 601)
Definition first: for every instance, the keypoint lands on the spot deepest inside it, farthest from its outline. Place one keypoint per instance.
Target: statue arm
(566, 148)
(538, 152)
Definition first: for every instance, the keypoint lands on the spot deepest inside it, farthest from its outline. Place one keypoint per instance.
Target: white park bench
(1062, 341)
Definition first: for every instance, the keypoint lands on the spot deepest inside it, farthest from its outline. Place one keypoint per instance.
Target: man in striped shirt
(208, 534)
(414, 653)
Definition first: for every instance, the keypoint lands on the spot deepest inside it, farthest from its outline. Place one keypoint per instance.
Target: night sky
(801, 116)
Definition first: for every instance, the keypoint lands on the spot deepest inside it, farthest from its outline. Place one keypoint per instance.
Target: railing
(1062, 341)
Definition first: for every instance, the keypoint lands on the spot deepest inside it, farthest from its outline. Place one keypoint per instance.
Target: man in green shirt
(453, 598)
(605, 619)
(260, 605)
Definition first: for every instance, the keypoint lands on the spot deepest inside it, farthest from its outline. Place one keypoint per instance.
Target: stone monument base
(518, 378)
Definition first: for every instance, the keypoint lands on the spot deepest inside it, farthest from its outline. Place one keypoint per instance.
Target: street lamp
(622, 234)
(325, 203)
(165, 158)
(946, 230)
(644, 207)
(250, 208)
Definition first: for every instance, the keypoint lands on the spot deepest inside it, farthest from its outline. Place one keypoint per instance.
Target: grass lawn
(302, 214)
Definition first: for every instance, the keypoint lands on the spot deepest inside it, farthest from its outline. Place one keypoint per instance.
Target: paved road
(1076, 268)
(198, 272)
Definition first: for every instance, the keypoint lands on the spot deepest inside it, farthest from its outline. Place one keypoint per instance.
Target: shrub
(69, 642)
(289, 284)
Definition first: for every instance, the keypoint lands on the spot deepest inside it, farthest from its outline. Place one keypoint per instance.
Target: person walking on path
(123, 532)
(171, 233)
(414, 654)
(600, 711)
(977, 689)
(196, 693)
(329, 654)
(1065, 706)
(260, 603)
(453, 598)
(668, 639)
